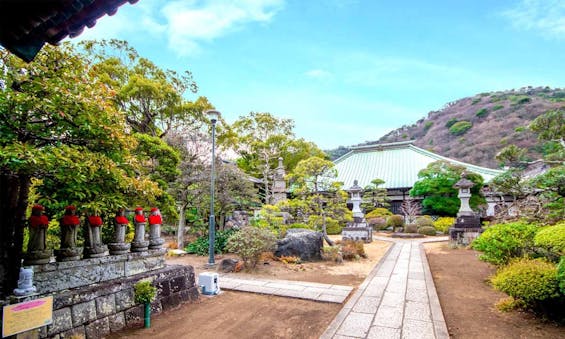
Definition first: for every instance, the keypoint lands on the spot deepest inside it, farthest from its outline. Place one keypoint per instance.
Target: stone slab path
(287, 288)
(397, 300)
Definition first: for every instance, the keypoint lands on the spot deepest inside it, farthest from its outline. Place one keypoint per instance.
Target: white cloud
(318, 74)
(191, 22)
(545, 16)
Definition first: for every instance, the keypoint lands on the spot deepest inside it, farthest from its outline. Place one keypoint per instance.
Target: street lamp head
(213, 115)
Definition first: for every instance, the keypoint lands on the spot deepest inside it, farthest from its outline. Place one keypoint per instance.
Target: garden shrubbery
(395, 221)
(424, 220)
(528, 272)
(427, 230)
(250, 243)
(443, 224)
(530, 280)
(502, 242)
(201, 244)
(378, 212)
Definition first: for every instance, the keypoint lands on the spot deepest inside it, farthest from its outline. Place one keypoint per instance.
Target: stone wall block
(62, 321)
(134, 316)
(77, 332)
(144, 265)
(170, 302)
(163, 288)
(83, 312)
(124, 299)
(97, 329)
(117, 322)
(179, 284)
(193, 294)
(105, 305)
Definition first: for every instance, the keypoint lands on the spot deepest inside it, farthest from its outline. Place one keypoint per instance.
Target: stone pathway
(287, 288)
(397, 300)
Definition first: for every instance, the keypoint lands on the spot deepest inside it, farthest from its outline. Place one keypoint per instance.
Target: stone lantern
(355, 192)
(468, 224)
(358, 229)
(464, 186)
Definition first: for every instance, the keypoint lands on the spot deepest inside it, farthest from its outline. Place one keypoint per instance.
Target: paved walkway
(287, 288)
(397, 300)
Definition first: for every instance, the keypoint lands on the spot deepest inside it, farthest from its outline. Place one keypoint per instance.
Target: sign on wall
(25, 316)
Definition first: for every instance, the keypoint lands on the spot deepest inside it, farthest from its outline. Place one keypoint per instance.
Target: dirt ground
(248, 315)
(468, 301)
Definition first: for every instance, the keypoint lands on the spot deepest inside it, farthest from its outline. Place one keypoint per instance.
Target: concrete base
(357, 233)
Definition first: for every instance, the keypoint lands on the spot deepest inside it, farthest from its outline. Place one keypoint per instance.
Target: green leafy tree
(435, 184)
(57, 124)
(374, 196)
(259, 138)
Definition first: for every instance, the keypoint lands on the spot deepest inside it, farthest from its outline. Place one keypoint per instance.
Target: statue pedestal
(38, 257)
(68, 254)
(96, 251)
(119, 248)
(466, 229)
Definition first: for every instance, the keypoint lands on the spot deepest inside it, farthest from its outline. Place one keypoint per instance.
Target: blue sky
(346, 71)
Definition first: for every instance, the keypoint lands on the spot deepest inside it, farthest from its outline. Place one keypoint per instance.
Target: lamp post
(213, 115)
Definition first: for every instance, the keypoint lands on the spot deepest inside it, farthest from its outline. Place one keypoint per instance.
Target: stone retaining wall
(95, 311)
(58, 276)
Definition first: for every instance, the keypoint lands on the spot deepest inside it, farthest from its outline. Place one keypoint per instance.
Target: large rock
(302, 243)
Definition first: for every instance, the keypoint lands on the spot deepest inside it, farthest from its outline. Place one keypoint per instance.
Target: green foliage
(313, 175)
(424, 220)
(427, 230)
(460, 127)
(450, 122)
(561, 275)
(144, 292)
(443, 224)
(530, 280)
(374, 196)
(481, 113)
(249, 243)
(497, 107)
(378, 212)
(552, 239)
(395, 221)
(201, 244)
(475, 101)
(332, 253)
(428, 125)
(411, 228)
(502, 242)
(436, 185)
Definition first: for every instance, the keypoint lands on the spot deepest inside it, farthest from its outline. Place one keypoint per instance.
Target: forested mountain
(474, 129)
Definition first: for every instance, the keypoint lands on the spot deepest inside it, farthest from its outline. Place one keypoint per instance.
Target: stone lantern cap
(464, 182)
(355, 188)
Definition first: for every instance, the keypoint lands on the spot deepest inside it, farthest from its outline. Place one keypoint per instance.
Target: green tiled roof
(397, 164)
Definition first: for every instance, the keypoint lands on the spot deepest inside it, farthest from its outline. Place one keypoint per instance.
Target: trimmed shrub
(497, 107)
(450, 122)
(424, 220)
(427, 230)
(460, 127)
(411, 228)
(378, 212)
(352, 249)
(443, 224)
(530, 280)
(502, 242)
(552, 239)
(395, 221)
(378, 223)
(332, 253)
(144, 292)
(201, 244)
(249, 243)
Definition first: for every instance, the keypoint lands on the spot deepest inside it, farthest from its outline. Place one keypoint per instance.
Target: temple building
(398, 165)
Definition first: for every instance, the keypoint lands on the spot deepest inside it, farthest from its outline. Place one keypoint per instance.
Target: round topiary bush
(530, 280)
(424, 220)
(395, 221)
(378, 212)
(502, 242)
(333, 227)
(552, 239)
(427, 230)
(443, 224)
(411, 228)
(378, 223)
(250, 243)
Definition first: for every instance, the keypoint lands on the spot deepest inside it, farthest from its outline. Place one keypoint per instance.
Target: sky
(346, 71)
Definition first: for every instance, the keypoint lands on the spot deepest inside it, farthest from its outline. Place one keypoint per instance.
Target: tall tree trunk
(181, 226)
(13, 203)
